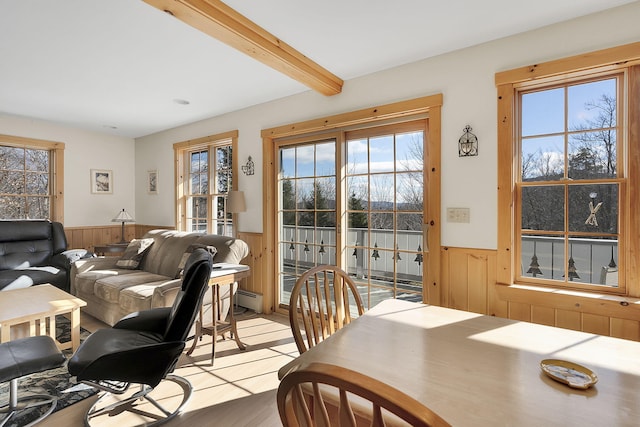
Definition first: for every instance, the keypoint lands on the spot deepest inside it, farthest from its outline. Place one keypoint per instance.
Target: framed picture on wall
(101, 181)
(152, 181)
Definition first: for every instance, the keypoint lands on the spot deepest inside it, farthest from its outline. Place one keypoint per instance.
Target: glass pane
(37, 160)
(38, 207)
(592, 155)
(223, 157)
(406, 225)
(224, 181)
(305, 193)
(199, 207)
(409, 191)
(326, 218)
(287, 162)
(593, 208)
(592, 105)
(11, 158)
(593, 260)
(382, 230)
(37, 183)
(409, 151)
(305, 161)
(543, 257)
(543, 208)
(382, 192)
(325, 194)
(358, 192)
(287, 194)
(357, 156)
(12, 182)
(543, 158)
(358, 220)
(326, 159)
(12, 207)
(543, 112)
(306, 218)
(382, 154)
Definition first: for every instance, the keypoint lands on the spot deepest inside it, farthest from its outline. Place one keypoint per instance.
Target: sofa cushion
(109, 288)
(84, 282)
(138, 297)
(134, 253)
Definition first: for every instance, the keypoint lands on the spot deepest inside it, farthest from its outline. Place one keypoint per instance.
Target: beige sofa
(112, 292)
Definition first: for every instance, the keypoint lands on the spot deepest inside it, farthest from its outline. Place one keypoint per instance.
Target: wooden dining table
(476, 370)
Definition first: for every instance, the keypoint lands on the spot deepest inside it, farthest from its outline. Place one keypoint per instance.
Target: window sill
(565, 299)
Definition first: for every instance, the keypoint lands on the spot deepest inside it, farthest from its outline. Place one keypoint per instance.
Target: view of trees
(314, 200)
(24, 183)
(591, 156)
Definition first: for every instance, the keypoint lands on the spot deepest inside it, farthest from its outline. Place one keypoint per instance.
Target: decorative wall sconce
(467, 144)
(248, 168)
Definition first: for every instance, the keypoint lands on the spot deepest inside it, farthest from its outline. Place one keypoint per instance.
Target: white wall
(465, 78)
(85, 151)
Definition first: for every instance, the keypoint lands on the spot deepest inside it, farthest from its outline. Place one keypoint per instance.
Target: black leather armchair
(143, 348)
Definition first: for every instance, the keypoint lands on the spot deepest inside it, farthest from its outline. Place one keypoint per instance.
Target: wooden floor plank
(239, 390)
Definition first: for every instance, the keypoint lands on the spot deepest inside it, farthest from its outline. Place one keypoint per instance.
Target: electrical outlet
(458, 215)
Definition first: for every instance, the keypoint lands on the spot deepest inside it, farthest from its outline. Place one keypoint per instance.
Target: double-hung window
(31, 179)
(566, 162)
(205, 175)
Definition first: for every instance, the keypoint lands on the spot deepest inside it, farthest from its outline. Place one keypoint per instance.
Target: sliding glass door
(356, 200)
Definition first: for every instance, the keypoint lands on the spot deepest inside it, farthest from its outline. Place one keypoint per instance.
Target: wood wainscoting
(92, 236)
(469, 283)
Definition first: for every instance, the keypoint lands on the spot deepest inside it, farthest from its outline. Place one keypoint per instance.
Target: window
(205, 176)
(354, 195)
(565, 164)
(30, 179)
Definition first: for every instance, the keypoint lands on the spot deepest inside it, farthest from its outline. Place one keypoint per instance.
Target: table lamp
(123, 216)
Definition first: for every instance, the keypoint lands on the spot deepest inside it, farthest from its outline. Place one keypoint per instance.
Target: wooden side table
(221, 275)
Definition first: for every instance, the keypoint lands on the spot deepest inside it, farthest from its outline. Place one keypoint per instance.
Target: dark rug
(55, 382)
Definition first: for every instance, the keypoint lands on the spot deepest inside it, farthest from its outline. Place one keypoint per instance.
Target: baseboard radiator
(249, 300)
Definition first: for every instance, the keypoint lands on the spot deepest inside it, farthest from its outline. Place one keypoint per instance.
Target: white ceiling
(117, 66)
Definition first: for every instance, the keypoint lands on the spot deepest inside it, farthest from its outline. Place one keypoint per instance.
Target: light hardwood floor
(239, 390)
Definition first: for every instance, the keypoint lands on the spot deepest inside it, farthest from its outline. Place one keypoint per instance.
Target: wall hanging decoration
(152, 181)
(468, 143)
(248, 168)
(101, 181)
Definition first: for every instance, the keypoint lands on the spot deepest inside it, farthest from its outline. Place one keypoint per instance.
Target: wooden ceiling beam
(230, 27)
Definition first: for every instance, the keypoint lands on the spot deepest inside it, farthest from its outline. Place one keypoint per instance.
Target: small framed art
(101, 181)
(152, 181)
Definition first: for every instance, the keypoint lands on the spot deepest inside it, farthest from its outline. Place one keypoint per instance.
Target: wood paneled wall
(89, 237)
(469, 283)
(256, 282)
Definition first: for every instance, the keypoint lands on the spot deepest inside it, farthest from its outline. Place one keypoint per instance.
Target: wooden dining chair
(321, 303)
(326, 395)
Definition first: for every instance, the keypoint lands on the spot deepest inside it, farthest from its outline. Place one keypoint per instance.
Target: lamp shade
(235, 202)
(123, 216)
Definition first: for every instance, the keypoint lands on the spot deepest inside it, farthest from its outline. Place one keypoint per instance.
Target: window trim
(56, 210)
(181, 171)
(626, 57)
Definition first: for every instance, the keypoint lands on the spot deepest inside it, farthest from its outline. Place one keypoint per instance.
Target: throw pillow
(183, 261)
(134, 253)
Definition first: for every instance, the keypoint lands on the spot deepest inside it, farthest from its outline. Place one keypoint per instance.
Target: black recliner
(143, 348)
